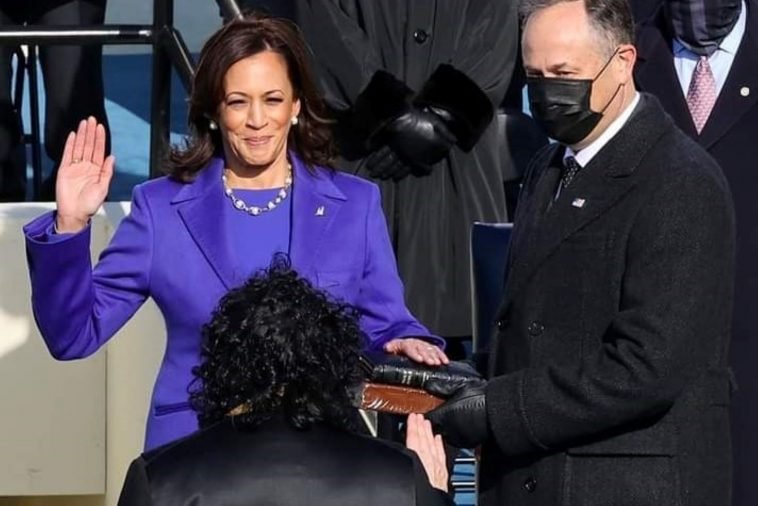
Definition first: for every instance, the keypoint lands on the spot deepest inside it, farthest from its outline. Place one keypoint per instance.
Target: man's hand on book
(462, 419)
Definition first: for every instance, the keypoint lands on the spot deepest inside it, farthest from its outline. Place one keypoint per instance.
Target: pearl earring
(294, 120)
(212, 125)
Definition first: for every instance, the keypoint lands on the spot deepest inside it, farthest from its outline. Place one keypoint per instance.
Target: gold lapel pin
(744, 91)
(578, 203)
(320, 211)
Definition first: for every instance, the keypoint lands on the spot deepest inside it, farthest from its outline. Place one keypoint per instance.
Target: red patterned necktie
(701, 95)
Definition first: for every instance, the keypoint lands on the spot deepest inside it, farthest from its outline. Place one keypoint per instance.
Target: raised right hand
(83, 178)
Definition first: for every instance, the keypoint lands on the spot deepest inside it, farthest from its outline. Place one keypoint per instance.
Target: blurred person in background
(73, 84)
(700, 58)
(643, 9)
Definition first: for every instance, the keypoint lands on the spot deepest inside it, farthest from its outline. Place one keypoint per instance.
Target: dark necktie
(570, 169)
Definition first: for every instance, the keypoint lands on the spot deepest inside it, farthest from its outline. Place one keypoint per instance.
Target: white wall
(68, 430)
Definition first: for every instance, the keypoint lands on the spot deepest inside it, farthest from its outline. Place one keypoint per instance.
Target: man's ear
(627, 57)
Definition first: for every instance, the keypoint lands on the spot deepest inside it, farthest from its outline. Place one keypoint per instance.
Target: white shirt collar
(584, 156)
(731, 42)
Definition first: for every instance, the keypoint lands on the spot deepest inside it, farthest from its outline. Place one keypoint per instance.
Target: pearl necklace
(257, 210)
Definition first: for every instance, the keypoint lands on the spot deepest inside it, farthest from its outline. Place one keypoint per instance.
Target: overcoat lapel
(595, 190)
(536, 197)
(740, 91)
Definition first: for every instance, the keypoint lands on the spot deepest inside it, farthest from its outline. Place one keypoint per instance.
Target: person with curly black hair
(272, 393)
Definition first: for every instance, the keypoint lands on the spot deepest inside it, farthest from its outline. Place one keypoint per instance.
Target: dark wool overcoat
(610, 383)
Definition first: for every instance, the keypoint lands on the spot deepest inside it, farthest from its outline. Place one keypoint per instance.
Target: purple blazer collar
(316, 203)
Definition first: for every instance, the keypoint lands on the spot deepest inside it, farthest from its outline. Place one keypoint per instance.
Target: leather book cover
(395, 399)
(385, 368)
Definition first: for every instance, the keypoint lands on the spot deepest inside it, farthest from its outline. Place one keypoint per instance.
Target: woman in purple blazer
(251, 182)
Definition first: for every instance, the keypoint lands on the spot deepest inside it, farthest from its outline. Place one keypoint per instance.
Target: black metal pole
(160, 107)
(180, 55)
(34, 36)
(229, 9)
(31, 63)
(51, 35)
(168, 48)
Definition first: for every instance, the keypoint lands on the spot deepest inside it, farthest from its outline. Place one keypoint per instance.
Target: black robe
(429, 217)
(278, 465)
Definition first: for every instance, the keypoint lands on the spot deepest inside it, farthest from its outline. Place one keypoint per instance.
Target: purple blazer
(173, 248)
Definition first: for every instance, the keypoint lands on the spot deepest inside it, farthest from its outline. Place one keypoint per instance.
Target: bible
(398, 385)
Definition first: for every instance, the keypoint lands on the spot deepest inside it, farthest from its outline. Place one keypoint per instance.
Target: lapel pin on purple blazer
(320, 211)
(578, 203)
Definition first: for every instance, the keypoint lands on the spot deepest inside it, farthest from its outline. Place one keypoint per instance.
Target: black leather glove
(462, 419)
(418, 139)
(385, 164)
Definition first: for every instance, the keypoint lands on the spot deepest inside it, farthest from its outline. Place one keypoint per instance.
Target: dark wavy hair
(277, 344)
(311, 138)
(611, 19)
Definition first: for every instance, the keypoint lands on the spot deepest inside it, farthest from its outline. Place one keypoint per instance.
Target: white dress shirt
(583, 156)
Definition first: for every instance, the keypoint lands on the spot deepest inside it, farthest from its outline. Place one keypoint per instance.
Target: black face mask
(701, 25)
(562, 106)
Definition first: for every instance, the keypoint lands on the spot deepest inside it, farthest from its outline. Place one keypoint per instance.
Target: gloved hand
(462, 419)
(417, 139)
(385, 164)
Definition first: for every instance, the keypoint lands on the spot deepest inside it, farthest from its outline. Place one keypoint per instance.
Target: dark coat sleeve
(136, 490)
(345, 55)
(474, 79)
(487, 51)
(671, 321)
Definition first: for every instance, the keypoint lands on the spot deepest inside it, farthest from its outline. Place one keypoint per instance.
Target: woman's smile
(257, 141)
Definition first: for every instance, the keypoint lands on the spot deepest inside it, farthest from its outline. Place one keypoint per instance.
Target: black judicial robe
(429, 217)
(278, 465)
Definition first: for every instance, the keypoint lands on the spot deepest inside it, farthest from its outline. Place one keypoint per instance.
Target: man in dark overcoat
(609, 378)
(730, 135)
(414, 85)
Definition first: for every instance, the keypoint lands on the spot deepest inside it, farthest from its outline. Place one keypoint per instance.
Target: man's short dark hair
(278, 345)
(612, 19)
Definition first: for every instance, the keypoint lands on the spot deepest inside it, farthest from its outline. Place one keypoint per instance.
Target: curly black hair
(277, 344)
